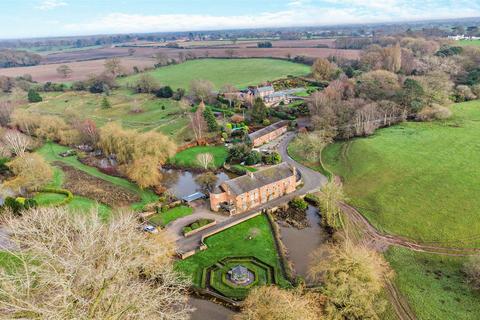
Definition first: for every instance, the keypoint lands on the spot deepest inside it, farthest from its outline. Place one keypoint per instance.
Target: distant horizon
(67, 18)
(246, 28)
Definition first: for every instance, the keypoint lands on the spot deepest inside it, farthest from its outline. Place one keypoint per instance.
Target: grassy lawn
(235, 242)
(188, 157)
(242, 167)
(238, 72)
(164, 218)
(50, 152)
(162, 115)
(418, 180)
(475, 43)
(297, 154)
(434, 285)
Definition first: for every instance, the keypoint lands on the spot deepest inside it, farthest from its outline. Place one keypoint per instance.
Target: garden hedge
(67, 193)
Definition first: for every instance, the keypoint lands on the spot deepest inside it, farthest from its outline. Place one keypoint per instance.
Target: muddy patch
(85, 185)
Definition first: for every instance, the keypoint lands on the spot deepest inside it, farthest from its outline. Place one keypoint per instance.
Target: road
(312, 181)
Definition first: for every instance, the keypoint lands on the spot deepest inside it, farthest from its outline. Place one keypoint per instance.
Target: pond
(182, 183)
(302, 242)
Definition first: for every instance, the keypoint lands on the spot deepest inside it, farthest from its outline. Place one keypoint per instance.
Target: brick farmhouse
(268, 134)
(253, 189)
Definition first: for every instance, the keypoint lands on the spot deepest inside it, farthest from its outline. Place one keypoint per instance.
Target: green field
(434, 285)
(238, 72)
(164, 218)
(188, 157)
(419, 180)
(163, 115)
(235, 242)
(475, 43)
(50, 152)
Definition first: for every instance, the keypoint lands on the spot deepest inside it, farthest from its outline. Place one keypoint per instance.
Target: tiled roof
(259, 179)
(266, 130)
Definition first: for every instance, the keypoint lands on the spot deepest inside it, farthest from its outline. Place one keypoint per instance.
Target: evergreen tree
(210, 119)
(259, 111)
(105, 103)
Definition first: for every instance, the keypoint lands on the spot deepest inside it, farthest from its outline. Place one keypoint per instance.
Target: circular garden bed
(218, 276)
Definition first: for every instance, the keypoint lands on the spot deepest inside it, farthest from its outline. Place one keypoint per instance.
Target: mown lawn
(235, 242)
(188, 157)
(162, 115)
(50, 152)
(164, 218)
(238, 72)
(418, 180)
(434, 285)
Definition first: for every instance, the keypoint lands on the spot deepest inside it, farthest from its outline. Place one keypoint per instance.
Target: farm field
(434, 285)
(163, 115)
(44, 50)
(475, 43)
(418, 180)
(81, 69)
(238, 72)
(235, 242)
(188, 158)
(87, 62)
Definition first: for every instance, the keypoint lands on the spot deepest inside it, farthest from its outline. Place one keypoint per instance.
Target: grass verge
(164, 218)
(188, 157)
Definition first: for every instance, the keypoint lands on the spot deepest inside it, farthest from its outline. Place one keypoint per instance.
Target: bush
(298, 204)
(238, 153)
(272, 158)
(164, 92)
(211, 120)
(197, 224)
(253, 158)
(33, 96)
(17, 205)
(266, 122)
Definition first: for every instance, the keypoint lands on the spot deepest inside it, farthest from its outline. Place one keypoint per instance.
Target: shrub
(253, 158)
(164, 92)
(211, 120)
(298, 204)
(272, 158)
(238, 153)
(266, 122)
(33, 96)
(15, 206)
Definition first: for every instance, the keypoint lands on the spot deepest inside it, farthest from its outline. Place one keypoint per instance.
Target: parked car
(150, 229)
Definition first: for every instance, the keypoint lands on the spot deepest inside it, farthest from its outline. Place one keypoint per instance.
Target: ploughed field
(238, 72)
(419, 180)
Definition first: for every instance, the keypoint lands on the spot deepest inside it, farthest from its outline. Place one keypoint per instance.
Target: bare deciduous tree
(352, 279)
(202, 90)
(198, 123)
(16, 142)
(330, 198)
(114, 66)
(86, 268)
(64, 71)
(269, 302)
(205, 160)
(6, 109)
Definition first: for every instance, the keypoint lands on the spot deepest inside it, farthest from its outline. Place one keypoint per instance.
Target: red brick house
(269, 133)
(253, 189)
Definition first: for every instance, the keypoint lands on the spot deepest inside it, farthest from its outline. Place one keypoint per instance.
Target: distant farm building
(268, 134)
(253, 189)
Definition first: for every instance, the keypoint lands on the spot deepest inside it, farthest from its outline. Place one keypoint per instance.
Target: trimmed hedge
(67, 193)
(196, 224)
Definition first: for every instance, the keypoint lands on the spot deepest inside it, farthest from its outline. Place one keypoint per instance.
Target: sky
(40, 18)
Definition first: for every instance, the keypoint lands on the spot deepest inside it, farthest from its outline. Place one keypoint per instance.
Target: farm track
(375, 236)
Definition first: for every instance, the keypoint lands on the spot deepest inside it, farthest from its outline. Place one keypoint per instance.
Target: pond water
(302, 242)
(182, 183)
(207, 310)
